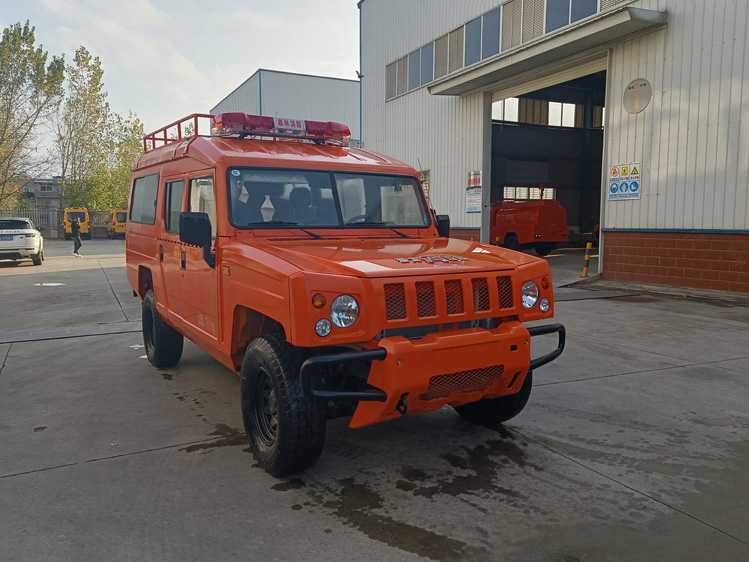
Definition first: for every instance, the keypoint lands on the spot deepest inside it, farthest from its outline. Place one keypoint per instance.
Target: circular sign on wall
(637, 95)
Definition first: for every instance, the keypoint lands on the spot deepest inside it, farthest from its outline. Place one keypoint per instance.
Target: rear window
(121, 217)
(80, 215)
(14, 224)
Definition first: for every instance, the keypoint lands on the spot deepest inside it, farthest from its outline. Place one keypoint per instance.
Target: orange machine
(521, 225)
(318, 273)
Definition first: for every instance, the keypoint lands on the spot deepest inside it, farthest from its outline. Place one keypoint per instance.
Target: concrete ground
(634, 445)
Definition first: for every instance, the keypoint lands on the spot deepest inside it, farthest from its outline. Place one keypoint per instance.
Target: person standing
(75, 229)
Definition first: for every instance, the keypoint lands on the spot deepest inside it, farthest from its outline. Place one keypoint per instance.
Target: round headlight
(530, 294)
(544, 305)
(323, 327)
(344, 311)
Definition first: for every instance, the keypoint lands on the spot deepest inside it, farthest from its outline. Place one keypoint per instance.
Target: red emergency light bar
(242, 125)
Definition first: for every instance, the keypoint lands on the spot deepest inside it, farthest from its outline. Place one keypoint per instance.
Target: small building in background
(299, 96)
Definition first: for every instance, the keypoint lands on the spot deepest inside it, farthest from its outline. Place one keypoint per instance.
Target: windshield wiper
(377, 223)
(285, 223)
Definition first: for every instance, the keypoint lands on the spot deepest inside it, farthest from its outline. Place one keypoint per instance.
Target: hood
(391, 257)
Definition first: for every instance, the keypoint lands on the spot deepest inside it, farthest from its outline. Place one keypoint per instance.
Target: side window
(202, 199)
(173, 197)
(143, 203)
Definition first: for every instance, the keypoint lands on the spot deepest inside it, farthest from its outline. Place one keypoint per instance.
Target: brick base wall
(466, 234)
(702, 261)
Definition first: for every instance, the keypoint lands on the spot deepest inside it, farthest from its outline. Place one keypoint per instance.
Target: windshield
(261, 198)
(14, 224)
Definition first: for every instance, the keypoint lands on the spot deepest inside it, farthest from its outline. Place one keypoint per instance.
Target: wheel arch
(247, 325)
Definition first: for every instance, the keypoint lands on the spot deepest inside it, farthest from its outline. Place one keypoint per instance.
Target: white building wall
(440, 134)
(299, 96)
(693, 138)
(245, 99)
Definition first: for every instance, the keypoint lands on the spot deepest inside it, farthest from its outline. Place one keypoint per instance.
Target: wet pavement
(634, 444)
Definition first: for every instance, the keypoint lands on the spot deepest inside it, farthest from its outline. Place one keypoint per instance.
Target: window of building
(424, 179)
(506, 110)
(46, 188)
(173, 197)
(427, 63)
(529, 193)
(414, 70)
(473, 42)
(564, 12)
(490, 34)
(561, 114)
(143, 202)
(202, 199)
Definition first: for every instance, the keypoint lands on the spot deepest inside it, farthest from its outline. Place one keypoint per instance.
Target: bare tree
(30, 91)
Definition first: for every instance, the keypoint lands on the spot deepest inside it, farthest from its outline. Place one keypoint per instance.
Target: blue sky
(165, 59)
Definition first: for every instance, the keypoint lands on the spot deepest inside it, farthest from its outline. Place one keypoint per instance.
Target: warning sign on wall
(624, 181)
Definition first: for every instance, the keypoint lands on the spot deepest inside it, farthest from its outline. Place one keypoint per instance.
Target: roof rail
(185, 128)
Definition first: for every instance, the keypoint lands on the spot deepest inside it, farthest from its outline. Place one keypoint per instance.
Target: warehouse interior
(552, 138)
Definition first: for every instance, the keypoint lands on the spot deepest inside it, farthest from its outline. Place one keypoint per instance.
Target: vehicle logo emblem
(431, 259)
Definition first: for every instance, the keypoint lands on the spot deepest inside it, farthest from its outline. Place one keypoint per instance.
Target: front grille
(468, 296)
(504, 289)
(395, 301)
(480, 294)
(412, 333)
(425, 299)
(475, 380)
(454, 297)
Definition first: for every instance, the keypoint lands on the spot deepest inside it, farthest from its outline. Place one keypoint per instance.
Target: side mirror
(443, 225)
(195, 229)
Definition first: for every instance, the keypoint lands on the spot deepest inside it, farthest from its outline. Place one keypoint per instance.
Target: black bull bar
(311, 366)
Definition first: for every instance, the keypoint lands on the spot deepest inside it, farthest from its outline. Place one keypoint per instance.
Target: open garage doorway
(547, 144)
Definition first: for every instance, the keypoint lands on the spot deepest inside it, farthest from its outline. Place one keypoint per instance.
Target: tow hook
(402, 406)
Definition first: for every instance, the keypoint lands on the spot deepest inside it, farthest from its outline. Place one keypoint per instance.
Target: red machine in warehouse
(521, 225)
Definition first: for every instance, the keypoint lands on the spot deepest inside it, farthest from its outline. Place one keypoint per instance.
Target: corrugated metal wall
(300, 96)
(693, 138)
(246, 98)
(435, 133)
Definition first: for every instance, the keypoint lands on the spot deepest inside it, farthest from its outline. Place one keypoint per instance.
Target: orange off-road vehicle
(319, 274)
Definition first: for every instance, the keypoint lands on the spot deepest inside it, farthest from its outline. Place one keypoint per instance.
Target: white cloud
(169, 58)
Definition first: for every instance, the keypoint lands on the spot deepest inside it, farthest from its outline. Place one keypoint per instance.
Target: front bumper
(443, 368)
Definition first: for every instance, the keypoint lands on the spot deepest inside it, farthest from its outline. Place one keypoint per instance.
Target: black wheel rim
(264, 405)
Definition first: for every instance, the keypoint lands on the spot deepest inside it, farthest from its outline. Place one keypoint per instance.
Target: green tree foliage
(30, 91)
(95, 147)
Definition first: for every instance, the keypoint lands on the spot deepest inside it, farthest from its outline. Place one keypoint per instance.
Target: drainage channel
(71, 332)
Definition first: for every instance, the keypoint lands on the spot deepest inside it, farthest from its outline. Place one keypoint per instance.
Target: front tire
(494, 411)
(285, 427)
(544, 248)
(511, 242)
(163, 343)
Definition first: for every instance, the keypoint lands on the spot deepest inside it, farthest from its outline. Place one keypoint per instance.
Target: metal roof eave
(598, 32)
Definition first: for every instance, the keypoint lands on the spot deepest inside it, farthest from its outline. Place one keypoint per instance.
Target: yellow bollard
(588, 248)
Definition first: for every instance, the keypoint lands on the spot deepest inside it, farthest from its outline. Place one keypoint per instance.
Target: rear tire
(285, 427)
(38, 258)
(494, 411)
(163, 343)
(544, 249)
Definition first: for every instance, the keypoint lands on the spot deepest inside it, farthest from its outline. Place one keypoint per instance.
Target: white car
(19, 240)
